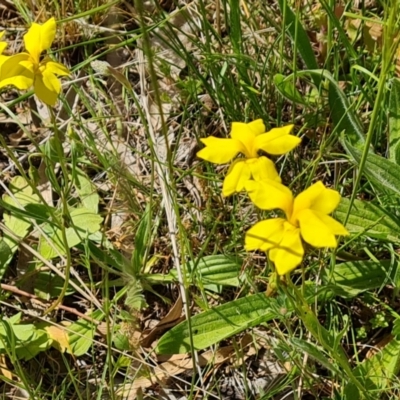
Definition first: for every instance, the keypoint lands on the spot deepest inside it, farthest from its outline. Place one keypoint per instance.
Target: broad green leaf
(22, 196)
(81, 334)
(218, 269)
(369, 219)
(48, 285)
(352, 278)
(394, 122)
(18, 225)
(211, 270)
(286, 88)
(298, 33)
(221, 322)
(378, 372)
(26, 339)
(87, 191)
(84, 222)
(383, 174)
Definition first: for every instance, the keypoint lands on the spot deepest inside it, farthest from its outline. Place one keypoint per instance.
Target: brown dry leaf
(60, 338)
(176, 364)
(4, 369)
(173, 317)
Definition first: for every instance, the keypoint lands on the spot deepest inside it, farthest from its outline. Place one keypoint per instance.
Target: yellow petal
(2, 34)
(336, 227)
(39, 38)
(289, 254)
(245, 134)
(3, 59)
(219, 151)
(277, 141)
(55, 67)
(318, 198)
(47, 87)
(265, 235)
(12, 72)
(316, 231)
(263, 168)
(257, 127)
(3, 45)
(239, 172)
(268, 195)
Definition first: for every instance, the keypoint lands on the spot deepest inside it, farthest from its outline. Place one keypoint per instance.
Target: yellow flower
(3, 46)
(306, 218)
(248, 139)
(26, 69)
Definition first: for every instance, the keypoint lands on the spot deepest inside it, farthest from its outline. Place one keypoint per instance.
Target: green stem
(323, 336)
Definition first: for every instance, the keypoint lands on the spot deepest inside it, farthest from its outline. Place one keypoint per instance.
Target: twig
(19, 292)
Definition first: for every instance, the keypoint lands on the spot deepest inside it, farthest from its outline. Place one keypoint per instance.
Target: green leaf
(343, 115)
(382, 173)
(313, 351)
(25, 339)
(48, 285)
(217, 269)
(6, 256)
(352, 278)
(377, 372)
(221, 322)
(84, 221)
(297, 32)
(22, 196)
(141, 244)
(87, 191)
(287, 89)
(81, 334)
(394, 122)
(369, 219)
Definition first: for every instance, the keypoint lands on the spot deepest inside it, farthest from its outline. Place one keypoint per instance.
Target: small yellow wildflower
(3, 46)
(24, 70)
(248, 139)
(306, 218)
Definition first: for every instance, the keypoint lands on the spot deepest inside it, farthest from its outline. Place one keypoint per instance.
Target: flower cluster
(306, 216)
(28, 69)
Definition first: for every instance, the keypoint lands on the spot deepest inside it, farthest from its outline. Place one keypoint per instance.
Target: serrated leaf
(369, 219)
(383, 174)
(377, 372)
(221, 322)
(352, 278)
(394, 122)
